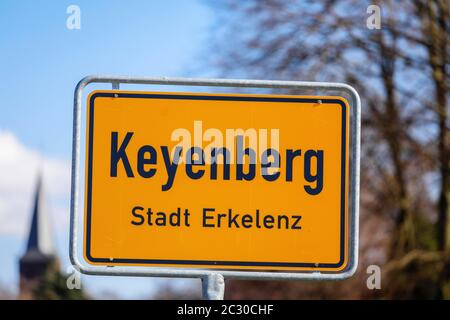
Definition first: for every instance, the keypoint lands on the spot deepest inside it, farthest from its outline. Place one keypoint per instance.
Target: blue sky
(41, 61)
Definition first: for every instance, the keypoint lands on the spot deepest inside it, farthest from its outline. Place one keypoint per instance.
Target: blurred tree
(435, 37)
(401, 73)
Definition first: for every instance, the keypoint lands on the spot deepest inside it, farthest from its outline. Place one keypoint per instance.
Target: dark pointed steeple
(40, 256)
(40, 238)
(40, 245)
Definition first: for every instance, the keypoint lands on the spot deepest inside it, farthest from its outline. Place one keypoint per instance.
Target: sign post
(215, 186)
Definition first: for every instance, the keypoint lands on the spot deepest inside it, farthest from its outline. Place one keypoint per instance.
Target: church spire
(40, 256)
(40, 238)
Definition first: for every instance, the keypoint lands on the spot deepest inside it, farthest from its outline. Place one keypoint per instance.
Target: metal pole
(213, 286)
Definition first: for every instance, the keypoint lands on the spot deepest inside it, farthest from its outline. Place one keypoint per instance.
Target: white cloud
(19, 169)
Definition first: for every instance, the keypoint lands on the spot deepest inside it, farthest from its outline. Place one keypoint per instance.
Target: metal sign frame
(213, 280)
